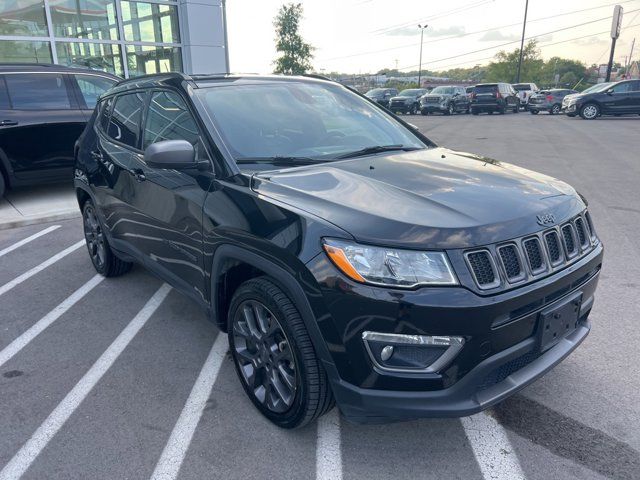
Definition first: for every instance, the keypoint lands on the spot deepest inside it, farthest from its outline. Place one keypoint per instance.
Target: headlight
(389, 266)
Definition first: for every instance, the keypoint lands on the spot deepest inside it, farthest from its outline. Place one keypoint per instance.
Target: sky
(364, 36)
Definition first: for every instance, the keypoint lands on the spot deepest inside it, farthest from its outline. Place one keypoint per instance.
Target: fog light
(411, 353)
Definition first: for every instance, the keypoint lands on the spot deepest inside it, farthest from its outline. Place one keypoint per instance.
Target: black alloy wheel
(102, 257)
(274, 356)
(264, 355)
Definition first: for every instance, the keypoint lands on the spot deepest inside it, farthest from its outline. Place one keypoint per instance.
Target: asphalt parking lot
(125, 379)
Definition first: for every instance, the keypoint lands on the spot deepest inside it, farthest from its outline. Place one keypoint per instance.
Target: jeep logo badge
(546, 219)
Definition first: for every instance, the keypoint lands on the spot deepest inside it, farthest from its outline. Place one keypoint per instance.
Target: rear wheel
(274, 356)
(424, 112)
(104, 260)
(555, 109)
(590, 111)
(474, 111)
(533, 112)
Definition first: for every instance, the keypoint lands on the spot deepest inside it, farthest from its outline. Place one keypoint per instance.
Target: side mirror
(610, 91)
(171, 154)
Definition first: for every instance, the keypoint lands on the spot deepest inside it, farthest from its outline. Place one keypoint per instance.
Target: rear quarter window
(38, 91)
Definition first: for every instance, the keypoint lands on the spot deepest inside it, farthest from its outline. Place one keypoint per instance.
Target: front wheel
(555, 109)
(104, 260)
(274, 356)
(590, 111)
(451, 109)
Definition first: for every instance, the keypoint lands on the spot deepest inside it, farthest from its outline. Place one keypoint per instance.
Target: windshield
(376, 92)
(412, 92)
(519, 87)
(443, 90)
(299, 119)
(598, 87)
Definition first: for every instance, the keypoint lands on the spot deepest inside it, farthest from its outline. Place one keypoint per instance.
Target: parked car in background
(619, 98)
(407, 101)
(592, 88)
(548, 100)
(494, 97)
(445, 99)
(349, 259)
(469, 91)
(525, 90)
(43, 111)
(382, 95)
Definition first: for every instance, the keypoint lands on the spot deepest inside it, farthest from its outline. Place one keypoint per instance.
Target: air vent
(511, 263)
(553, 247)
(534, 255)
(483, 269)
(582, 232)
(569, 241)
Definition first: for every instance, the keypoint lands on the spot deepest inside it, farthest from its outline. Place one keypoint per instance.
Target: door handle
(8, 123)
(138, 174)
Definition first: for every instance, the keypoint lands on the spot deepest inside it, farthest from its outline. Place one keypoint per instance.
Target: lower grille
(503, 371)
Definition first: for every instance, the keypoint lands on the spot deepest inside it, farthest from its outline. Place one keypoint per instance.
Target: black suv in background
(548, 100)
(43, 111)
(494, 97)
(407, 101)
(346, 255)
(382, 95)
(445, 99)
(621, 98)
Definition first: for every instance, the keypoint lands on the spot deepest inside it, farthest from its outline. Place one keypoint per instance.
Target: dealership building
(125, 37)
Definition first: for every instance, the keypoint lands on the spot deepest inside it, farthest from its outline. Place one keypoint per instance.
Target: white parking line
(54, 422)
(23, 340)
(328, 451)
(25, 276)
(176, 448)
(491, 447)
(24, 241)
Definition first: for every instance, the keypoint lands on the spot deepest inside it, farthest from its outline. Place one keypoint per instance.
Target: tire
(556, 108)
(424, 112)
(102, 257)
(590, 111)
(516, 109)
(280, 337)
(413, 110)
(467, 111)
(533, 112)
(490, 112)
(450, 109)
(474, 111)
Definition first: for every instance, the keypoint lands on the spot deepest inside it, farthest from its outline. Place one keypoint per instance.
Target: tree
(295, 52)
(505, 67)
(569, 79)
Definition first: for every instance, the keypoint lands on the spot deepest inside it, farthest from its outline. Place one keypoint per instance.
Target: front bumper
(433, 107)
(571, 108)
(498, 358)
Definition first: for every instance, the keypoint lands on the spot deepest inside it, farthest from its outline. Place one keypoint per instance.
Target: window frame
(82, 103)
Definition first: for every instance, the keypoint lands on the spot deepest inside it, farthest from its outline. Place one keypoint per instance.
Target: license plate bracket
(559, 321)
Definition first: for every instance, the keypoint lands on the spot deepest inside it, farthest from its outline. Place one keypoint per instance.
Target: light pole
(524, 26)
(421, 27)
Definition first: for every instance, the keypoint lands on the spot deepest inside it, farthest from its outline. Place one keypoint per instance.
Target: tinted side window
(92, 86)
(622, 87)
(125, 118)
(168, 118)
(635, 86)
(4, 96)
(38, 91)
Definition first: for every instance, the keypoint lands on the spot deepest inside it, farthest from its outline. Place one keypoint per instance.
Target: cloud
(429, 32)
(592, 41)
(498, 36)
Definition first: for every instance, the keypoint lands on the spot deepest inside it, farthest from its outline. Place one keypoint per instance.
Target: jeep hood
(432, 198)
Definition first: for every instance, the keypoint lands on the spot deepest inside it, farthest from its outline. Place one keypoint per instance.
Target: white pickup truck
(525, 90)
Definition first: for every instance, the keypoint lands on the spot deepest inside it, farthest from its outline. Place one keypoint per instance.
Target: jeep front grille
(525, 259)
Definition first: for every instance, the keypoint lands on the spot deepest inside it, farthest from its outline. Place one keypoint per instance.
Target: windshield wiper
(377, 149)
(280, 160)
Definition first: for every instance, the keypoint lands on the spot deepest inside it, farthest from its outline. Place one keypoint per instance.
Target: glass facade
(124, 37)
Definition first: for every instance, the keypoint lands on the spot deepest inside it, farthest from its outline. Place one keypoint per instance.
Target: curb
(36, 219)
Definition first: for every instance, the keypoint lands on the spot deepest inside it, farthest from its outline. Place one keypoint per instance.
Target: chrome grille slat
(523, 260)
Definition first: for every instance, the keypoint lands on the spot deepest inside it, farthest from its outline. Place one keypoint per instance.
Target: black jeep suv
(43, 110)
(347, 256)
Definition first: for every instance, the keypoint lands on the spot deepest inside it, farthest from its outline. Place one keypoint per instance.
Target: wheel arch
(232, 265)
